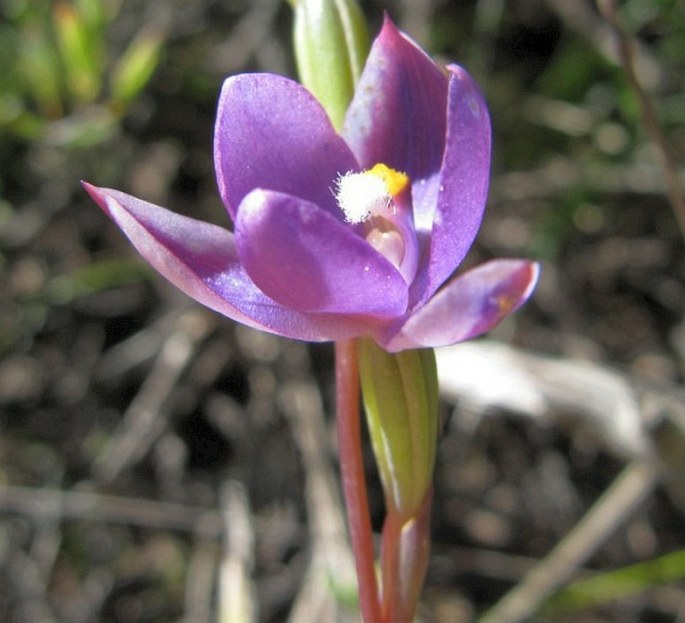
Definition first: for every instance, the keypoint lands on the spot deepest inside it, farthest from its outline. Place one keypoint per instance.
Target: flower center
(369, 193)
(380, 199)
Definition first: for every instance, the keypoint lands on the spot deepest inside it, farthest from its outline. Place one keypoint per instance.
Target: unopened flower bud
(331, 45)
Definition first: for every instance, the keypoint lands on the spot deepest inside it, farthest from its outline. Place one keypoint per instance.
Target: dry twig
(81, 505)
(236, 590)
(145, 417)
(331, 565)
(614, 507)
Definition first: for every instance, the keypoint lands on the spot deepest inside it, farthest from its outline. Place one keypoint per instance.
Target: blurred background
(159, 463)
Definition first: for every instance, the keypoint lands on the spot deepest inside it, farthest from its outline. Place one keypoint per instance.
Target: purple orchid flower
(343, 235)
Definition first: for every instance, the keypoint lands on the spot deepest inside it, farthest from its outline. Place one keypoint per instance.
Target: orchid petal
(201, 260)
(397, 115)
(463, 184)
(304, 258)
(467, 306)
(272, 133)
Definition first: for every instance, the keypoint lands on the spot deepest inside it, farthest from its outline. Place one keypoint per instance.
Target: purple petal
(272, 133)
(301, 256)
(463, 184)
(469, 305)
(397, 115)
(201, 260)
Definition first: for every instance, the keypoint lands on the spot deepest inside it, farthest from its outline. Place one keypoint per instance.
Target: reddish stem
(353, 480)
(390, 550)
(405, 549)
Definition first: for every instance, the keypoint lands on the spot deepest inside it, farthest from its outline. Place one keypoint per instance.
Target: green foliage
(603, 588)
(62, 85)
(135, 67)
(95, 277)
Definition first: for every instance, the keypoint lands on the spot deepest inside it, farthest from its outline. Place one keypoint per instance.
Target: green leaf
(39, 71)
(93, 14)
(135, 68)
(93, 278)
(79, 51)
(606, 587)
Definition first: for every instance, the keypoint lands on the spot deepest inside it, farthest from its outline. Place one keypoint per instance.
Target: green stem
(353, 480)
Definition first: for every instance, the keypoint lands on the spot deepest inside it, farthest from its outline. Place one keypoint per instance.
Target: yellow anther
(395, 181)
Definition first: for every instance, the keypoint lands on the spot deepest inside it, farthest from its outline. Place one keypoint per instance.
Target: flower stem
(405, 549)
(390, 565)
(353, 480)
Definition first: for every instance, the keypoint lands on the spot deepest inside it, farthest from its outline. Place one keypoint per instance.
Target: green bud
(400, 393)
(331, 45)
